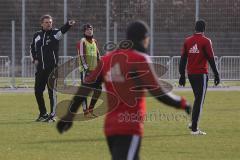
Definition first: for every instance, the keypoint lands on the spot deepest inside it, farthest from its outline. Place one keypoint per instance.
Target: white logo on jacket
(194, 49)
(37, 39)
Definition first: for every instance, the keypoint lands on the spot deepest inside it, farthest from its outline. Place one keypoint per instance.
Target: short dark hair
(137, 31)
(46, 16)
(200, 26)
(86, 26)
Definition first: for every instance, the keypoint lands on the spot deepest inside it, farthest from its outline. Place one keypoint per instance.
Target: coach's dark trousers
(199, 83)
(41, 80)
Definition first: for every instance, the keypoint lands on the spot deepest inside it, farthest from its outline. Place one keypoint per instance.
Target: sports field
(166, 136)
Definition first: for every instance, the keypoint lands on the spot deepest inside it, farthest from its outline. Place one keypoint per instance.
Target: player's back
(120, 69)
(196, 48)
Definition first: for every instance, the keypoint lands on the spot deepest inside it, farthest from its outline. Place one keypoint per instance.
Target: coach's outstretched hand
(182, 80)
(71, 22)
(63, 126)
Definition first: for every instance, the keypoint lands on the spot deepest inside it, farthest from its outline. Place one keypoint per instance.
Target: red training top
(126, 74)
(198, 49)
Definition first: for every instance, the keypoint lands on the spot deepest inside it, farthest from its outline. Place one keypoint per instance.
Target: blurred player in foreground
(127, 74)
(196, 53)
(88, 53)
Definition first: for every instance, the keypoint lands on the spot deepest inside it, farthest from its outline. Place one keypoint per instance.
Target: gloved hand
(216, 79)
(186, 106)
(188, 109)
(182, 80)
(63, 126)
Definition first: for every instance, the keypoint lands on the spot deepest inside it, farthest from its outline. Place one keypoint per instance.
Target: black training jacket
(45, 46)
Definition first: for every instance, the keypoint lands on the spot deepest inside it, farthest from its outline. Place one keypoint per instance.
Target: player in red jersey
(196, 53)
(127, 74)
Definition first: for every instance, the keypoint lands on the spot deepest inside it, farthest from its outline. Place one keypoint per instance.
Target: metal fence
(71, 77)
(229, 67)
(29, 69)
(165, 61)
(175, 67)
(5, 69)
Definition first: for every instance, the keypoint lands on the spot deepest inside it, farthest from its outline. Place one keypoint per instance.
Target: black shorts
(124, 147)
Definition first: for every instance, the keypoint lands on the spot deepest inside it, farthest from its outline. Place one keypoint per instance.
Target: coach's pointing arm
(59, 33)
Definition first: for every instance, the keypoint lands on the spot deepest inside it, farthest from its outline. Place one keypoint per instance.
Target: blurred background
(170, 22)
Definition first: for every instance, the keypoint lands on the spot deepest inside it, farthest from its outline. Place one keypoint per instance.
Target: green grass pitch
(165, 138)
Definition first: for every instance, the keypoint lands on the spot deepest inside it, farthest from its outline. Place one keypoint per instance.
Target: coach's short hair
(46, 16)
(200, 26)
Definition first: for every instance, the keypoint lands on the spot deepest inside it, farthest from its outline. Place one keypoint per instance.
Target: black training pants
(41, 80)
(199, 83)
(124, 147)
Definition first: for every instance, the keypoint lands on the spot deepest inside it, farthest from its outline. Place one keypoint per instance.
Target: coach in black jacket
(44, 53)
